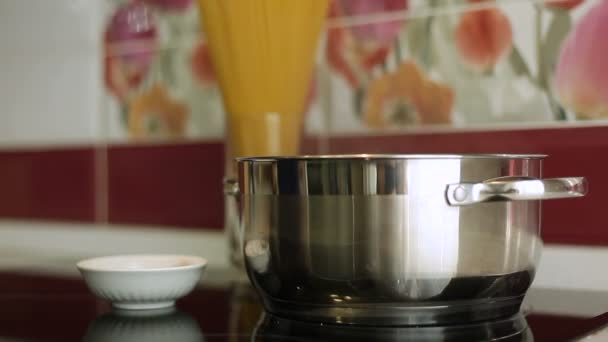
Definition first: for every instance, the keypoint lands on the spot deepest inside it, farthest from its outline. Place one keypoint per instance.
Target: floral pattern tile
(159, 82)
(382, 65)
(475, 63)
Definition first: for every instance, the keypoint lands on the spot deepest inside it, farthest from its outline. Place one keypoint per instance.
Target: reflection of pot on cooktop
(272, 328)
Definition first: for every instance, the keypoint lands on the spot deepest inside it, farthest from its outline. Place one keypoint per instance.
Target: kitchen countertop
(50, 302)
(32, 243)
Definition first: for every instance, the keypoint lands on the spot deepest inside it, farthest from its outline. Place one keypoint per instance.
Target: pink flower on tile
(385, 31)
(130, 41)
(354, 50)
(564, 4)
(171, 5)
(335, 51)
(582, 70)
(483, 37)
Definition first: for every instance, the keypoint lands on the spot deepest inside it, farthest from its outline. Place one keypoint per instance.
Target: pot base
(394, 314)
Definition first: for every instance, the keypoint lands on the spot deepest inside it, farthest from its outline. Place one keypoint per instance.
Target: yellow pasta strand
(263, 53)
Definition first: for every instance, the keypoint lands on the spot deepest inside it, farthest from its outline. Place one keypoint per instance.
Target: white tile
(50, 61)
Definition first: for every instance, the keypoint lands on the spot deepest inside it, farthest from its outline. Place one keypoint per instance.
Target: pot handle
(231, 186)
(515, 189)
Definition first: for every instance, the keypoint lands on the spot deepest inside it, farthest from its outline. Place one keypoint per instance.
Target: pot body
(379, 239)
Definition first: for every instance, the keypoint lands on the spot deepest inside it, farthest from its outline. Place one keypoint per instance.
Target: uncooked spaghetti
(263, 52)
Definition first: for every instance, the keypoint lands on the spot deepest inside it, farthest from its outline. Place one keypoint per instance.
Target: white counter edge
(561, 267)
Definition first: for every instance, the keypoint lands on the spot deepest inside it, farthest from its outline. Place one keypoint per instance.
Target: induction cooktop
(39, 305)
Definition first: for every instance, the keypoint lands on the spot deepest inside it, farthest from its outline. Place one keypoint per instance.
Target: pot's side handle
(515, 189)
(231, 186)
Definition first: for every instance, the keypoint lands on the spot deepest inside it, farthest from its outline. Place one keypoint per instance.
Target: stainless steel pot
(394, 239)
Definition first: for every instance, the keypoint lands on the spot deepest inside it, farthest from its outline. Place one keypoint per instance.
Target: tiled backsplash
(389, 64)
(426, 65)
(122, 117)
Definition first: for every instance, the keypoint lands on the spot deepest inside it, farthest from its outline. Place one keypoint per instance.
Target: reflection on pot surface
(385, 240)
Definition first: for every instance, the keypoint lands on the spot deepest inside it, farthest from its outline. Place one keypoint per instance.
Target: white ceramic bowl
(139, 282)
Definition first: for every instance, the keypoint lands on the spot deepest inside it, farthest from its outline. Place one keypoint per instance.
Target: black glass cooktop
(40, 305)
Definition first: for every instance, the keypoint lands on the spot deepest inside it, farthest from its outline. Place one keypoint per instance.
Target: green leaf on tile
(518, 63)
(418, 39)
(358, 100)
(124, 115)
(558, 29)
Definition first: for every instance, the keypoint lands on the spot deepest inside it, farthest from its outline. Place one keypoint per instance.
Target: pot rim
(366, 156)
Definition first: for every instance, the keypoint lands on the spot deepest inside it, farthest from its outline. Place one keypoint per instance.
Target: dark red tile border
(180, 184)
(174, 185)
(49, 184)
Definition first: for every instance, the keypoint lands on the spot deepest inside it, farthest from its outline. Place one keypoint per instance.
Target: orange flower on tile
(154, 114)
(407, 96)
(385, 31)
(483, 37)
